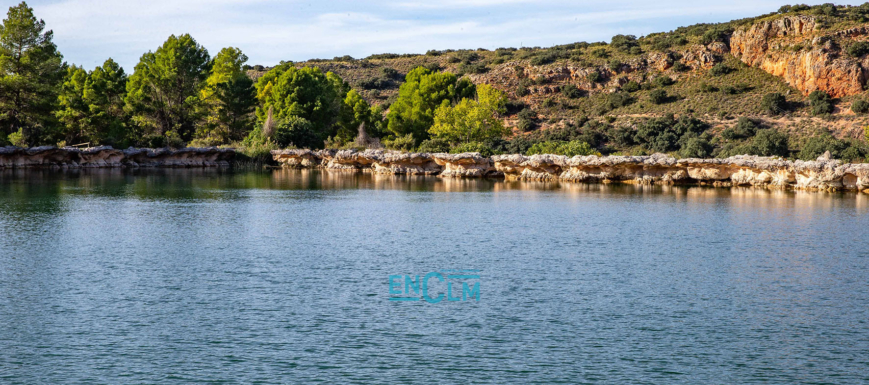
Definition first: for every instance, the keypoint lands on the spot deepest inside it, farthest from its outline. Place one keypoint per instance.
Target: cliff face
(795, 49)
(823, 174)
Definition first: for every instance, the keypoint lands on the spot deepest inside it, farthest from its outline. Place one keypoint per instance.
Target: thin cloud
(268, 31)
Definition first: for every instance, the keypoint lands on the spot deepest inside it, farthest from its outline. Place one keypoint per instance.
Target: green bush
(860, 106)
(770, 142)
(614, 65)
(696, 147)
(594, 76)
(434, 145)
(744, 128)
(680, 67)
(658, 96)
(522, 91)
(401, 143)
(820, 103)
(816, 146)
(720, 69)
(707, 88)
(858, 49)
(631, 86)
(298, 132)
(774, 103)
(482, 148)
(663, 81)
(624, 42)
(600, 52)
(619, 99)
(570, 91)
(572, 148)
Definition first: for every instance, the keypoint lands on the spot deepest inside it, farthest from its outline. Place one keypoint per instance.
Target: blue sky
(268, 31)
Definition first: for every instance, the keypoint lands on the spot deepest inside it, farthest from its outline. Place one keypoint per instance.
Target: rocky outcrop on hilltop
(107, 157)
(822, 174)
(796, 49)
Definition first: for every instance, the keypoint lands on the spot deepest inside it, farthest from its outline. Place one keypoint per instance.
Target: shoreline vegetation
(179, 96)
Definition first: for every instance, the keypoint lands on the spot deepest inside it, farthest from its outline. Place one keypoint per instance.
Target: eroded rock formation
(822, 174)
(104, 157)
(799, 51)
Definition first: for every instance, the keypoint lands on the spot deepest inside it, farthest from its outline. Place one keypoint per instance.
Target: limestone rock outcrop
(796, 49)
(822, 174)
(107, 157)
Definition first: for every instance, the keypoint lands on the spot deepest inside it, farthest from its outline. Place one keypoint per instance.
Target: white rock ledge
(108, 157)
(822, 174)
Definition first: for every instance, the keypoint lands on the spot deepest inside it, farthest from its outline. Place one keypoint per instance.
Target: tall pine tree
(31, 70)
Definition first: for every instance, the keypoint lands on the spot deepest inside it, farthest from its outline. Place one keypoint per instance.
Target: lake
(182, 276)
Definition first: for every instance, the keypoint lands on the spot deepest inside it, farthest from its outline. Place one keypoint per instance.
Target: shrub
(619, 99)
(704, 87)
(820, 102)
(631, 86)
(527, 118)
(860, 106)
(680, 67)
(401, 143)
(298, 132)
(624, 42)
(434, 145)
(572, 148)
(522, 91)
(744, 128)
(774, 103)
(543, 59)
(17, 138)
(622, 136)
(663, 81)
(570, 91)
(658, 96)
(614, 65)
(770, 142)
(600, 52)
(482, 148)
(816, 146)
(858, 49)
(696, 147)
(390, 73)
(594, 76)
(720, 69)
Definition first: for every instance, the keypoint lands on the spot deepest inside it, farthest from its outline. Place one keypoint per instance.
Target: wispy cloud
(89, 31)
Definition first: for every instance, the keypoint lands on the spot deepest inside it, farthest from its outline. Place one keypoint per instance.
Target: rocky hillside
(716, 72)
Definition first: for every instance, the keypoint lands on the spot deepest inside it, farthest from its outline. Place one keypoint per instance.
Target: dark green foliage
(774, 103)
(600, 52)
(622, 136)
(680, 67)
(631, 86)
(720, 69)
(545, 58)
(594, 76)
(716, 34)
(744, 128)
(860, 106)
(31, 73)
(858, 49)
(664, 134)
(619, 99)
(817, 145)
(695, 147)
(735, 89)
(390, 73)
(570, 91)
(658, 96)
(483, 148)
(614, 65)
(522, 91)
(820, 102)
(527, 120)
(297, 131)
(624, 43)
(704, 87)
(663, 81)
(434, 145)
(422, 93)
(770, 142)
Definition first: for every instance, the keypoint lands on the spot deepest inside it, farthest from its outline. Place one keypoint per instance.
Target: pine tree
(31, 70)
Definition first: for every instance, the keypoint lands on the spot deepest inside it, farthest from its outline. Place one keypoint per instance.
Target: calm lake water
(182, 276)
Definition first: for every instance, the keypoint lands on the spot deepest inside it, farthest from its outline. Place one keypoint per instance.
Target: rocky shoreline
(108, 157)
(823, 174)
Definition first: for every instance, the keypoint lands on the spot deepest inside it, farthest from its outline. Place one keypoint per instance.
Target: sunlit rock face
(744, 170)
(799, 51)
(107, 157)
